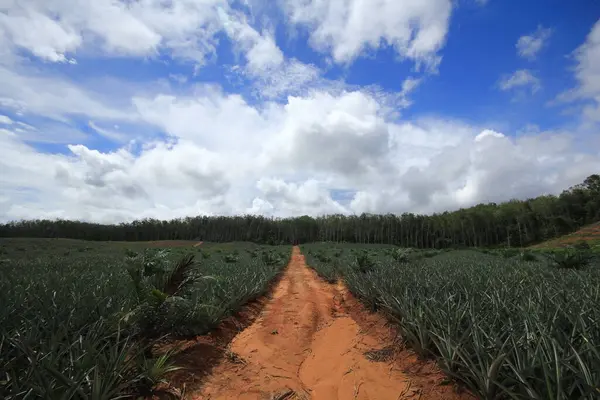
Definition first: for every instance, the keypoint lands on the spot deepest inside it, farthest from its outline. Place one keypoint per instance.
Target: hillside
(590, 234)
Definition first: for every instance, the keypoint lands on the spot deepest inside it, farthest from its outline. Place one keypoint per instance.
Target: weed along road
(314, 341)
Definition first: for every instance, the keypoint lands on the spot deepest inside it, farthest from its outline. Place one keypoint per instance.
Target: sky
(112, 111)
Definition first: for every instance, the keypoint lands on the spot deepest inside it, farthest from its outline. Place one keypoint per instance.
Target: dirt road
(314, 341)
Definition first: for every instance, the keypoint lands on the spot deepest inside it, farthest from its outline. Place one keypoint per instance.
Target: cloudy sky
(115, 110)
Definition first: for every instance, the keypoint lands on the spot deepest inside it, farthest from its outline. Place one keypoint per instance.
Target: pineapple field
(105, 320)
(78, 318)
(507, 324)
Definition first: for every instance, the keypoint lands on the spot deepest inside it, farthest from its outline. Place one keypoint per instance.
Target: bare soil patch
(589, 234)
(312, 340)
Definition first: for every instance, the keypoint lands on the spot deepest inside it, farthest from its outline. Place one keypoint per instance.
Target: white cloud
(113, 135)
(184, 30)
(408, 86)
(55, 30)
(416, 29)
(520, 79)
(343, 137)
(587, 74)
(227, 156)
(485, 166)
(43, 36)
(210, 118)
(52, 97)
(260, 50)
(290, 78)
(528, 46)
(307, 198)
(177, 147)
(5, 120)
(179, 78)
(588, 63)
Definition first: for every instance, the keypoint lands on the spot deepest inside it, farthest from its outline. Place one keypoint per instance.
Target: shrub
(571, 259)
(527, 256)
(581, 245)
(508, 252)
(365, 263)
(271, 258)
(430, 253)
(401, 255)
(204, 254)
(230, 258)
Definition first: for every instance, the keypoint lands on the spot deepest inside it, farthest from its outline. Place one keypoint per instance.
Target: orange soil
(312, 341)
(590, 233)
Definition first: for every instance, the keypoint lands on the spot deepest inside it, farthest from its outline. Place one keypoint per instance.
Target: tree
(513, 223)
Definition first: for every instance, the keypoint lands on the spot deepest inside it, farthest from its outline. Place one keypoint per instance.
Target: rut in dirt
(314, 341)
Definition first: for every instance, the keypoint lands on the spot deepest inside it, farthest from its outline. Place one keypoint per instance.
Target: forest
(515, 223)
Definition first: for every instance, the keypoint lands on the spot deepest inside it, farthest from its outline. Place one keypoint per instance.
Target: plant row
(83, 326)
(507, 326)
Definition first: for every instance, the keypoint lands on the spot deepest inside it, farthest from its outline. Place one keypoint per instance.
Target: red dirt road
(310, 343)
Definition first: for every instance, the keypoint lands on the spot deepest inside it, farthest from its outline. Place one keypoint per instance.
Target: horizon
(279, 218)
(112, 112)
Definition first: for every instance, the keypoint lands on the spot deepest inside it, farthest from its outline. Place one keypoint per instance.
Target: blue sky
(112, 111)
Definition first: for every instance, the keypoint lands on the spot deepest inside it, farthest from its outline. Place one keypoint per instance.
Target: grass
(78, 318)
(507, 326)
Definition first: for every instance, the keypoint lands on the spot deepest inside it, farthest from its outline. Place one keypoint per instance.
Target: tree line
(515, 223)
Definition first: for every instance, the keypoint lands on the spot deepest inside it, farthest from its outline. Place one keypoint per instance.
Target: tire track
(309, 343)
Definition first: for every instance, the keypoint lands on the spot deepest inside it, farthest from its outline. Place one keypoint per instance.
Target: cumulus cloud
(520, 79)
(260, 49)
(292, 199)
(187, 30)
(416, 29)
(163, 180)
(210, 118)
(486, 166)
(176, 147)
(528, 46)
(587, 74)
(347, 130)
(588, 63)
(297, 155)
(56, 30)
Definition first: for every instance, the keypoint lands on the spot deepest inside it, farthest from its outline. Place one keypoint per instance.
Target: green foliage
(527, 256)
(511, 224)
(582, 245)
(365, 263)
(401, 255)
(153, 371)
(571, 259)
(430, 253)
(506, 328)
(204, 254)
(230, 258)
(80, 326)
(509, 253)
(327, 265)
